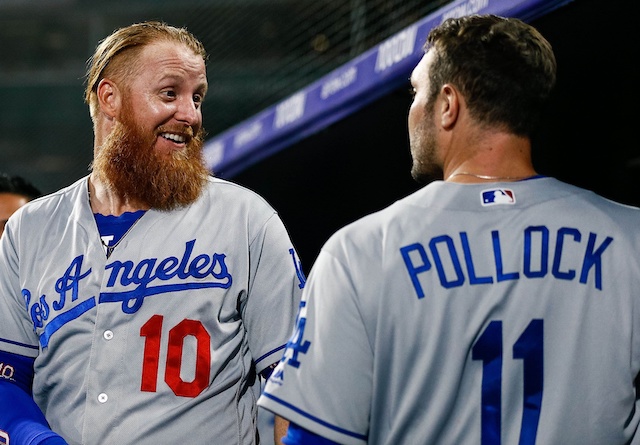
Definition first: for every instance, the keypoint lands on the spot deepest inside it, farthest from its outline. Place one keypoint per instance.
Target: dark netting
(261, 51)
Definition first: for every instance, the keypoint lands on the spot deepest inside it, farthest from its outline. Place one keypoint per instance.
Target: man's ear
(109, 98)
(449, 106)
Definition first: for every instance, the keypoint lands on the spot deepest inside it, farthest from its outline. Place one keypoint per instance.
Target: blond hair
(116, 56)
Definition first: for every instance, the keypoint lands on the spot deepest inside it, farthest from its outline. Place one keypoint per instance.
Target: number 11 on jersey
(528, 348)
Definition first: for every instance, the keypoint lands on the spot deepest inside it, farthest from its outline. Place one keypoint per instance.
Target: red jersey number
(152, 331)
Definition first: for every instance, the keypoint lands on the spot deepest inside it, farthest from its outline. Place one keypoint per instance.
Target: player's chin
(166, 149)
(425, 175)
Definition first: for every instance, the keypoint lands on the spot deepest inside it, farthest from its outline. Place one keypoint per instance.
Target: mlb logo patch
(492, 197)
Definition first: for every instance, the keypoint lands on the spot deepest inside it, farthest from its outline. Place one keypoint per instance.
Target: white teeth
(173, 137)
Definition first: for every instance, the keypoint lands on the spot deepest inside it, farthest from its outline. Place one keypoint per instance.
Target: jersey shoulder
(587, 203)
(237, 194)
(56, 207)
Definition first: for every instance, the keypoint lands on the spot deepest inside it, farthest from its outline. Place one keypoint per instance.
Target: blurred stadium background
(262, 51)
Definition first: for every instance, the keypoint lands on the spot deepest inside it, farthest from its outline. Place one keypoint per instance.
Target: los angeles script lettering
(136, 279)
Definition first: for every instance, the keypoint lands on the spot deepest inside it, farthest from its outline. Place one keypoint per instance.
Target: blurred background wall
(262, 51)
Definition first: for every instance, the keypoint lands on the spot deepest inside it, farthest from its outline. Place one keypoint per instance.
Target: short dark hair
(505, 69)
(18, 186)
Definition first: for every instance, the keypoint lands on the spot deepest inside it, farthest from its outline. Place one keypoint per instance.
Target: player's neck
(496, 157)
(465, 177)
(106, 202)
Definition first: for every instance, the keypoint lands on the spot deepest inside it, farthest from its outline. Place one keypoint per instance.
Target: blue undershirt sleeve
(21, 420)
(296, 435)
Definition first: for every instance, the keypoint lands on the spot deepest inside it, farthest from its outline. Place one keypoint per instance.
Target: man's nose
(189, 112)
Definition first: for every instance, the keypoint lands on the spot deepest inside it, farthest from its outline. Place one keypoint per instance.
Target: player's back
(499, 311)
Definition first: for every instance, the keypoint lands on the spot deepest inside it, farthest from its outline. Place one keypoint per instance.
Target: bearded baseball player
(143, 303)
(494, 306)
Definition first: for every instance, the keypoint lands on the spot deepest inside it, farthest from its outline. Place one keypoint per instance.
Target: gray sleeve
(325, 382)
(275, 287)
(16, 327)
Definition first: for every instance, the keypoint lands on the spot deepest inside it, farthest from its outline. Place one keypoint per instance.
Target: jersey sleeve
(21, 420)
(17, 333)
(309, 385)
(275, 288)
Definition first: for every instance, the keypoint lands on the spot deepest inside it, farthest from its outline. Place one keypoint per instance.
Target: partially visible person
(15, 191)
(144, 303)
(494, 306)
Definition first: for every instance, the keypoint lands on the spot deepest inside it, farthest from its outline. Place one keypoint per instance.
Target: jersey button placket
(107, 335)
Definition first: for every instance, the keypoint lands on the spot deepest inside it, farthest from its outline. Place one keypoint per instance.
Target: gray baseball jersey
(471, 314)
(161, 342)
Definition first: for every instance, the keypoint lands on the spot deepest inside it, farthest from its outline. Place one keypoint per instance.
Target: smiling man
(144, 302)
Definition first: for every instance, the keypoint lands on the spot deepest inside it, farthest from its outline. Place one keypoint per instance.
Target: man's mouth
(177, 138)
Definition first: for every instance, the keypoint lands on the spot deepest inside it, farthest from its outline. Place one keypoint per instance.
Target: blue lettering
(557, 256)
(149, 270)
(39, 311)
(298, 265)
(167, 268)
(218, 259)
(413, 270)
(297, 345)
(594, 259)
(183, 270)
(116, 266)
(471, 270)
(497, 254)
(69, 281)
(528, 251)
(146, 271)
(140, 274)
(453, 256)
(143, 272)
(131, 301)
(198, 264)
(535, 254)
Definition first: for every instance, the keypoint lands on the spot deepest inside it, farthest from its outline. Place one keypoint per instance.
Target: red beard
(130, 167)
